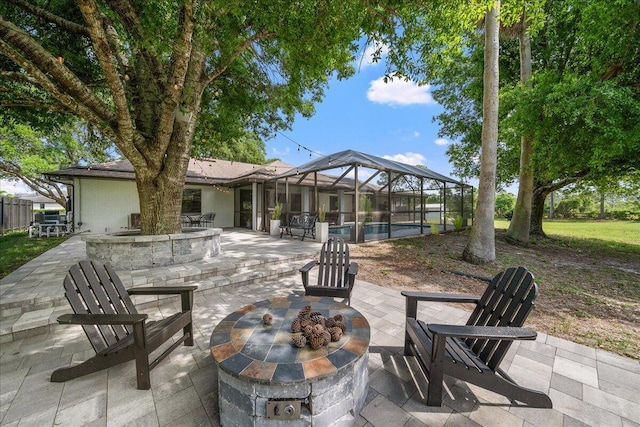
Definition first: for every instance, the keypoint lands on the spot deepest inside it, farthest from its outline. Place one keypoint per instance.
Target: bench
(304, 222)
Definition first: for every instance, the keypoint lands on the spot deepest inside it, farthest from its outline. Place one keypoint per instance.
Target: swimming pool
(379, 230)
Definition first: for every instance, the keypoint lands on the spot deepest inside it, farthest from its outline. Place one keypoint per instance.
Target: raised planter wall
(129, 251)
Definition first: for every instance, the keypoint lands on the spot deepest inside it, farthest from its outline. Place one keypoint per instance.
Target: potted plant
(322, 226)
(274, 224)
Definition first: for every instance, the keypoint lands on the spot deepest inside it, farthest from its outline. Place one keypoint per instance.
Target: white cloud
(275, 152)
(14, 187)
(407, 158)
(366, 59)
(441, 141)
(398, 92)
(416, 133)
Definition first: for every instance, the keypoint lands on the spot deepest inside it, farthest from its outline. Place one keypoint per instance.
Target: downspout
(356, 204)
(445, 206)
(316, 196)
(421, 205)
(389, 176)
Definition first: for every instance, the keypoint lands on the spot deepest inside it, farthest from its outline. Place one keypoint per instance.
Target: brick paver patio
(587, 386)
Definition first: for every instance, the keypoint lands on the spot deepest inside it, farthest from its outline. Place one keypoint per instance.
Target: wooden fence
(15, 214)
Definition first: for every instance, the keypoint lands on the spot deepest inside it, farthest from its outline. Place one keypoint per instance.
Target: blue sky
(392, 120)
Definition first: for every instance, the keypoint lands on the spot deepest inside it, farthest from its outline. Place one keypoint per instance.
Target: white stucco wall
(218, 201)
(105, 205)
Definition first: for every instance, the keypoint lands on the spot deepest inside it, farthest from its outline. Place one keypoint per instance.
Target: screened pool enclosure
(367, 197)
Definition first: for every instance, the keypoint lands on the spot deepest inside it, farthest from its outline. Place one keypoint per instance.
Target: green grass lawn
(626, 232)
(18, 249)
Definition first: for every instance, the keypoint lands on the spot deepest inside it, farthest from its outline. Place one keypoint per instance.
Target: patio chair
(117, 332)
(336, 275)
(206, 220)
(473, 352)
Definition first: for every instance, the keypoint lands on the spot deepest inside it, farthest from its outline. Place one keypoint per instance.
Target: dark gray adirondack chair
(336, 275)
(473, 352)
(118, 333)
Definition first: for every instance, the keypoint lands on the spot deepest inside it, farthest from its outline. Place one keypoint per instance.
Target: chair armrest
(161, 290)
(102, 319)
(186, 293)
(411, 305)
(308, 266)
(440, 297)
(353, 269)
(483, 332)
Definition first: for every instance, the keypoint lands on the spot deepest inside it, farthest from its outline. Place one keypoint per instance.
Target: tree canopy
(26, 152)
(145, 74)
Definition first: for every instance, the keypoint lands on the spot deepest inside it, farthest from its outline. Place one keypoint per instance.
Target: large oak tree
(146, 73)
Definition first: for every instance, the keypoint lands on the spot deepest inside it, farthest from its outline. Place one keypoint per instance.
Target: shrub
(277, 211)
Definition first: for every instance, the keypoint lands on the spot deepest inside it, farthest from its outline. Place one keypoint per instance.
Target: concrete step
(32, 317)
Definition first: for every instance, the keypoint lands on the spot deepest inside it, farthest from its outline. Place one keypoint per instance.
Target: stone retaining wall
(127, 251)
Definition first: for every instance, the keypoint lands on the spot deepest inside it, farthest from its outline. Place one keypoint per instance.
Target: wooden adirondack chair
(118, 333)
(473, 352)
(336, 275)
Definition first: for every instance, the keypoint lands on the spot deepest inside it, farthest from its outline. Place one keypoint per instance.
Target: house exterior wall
(104, 205)
(218, 201)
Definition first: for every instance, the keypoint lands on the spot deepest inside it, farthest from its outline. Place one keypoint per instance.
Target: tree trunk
(518, 232)
(537, 210)
(160, 203)
(601, 205)
(481, 247)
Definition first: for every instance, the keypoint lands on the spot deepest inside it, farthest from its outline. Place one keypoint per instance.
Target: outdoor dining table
(48, 228)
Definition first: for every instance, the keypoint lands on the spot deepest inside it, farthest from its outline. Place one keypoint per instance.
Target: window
(191, 201)
(41, 205)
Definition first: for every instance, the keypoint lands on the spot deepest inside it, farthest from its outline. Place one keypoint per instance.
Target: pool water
(375, 231)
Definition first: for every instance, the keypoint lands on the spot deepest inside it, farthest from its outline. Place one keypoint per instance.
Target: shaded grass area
(589, 283)
(18, 249)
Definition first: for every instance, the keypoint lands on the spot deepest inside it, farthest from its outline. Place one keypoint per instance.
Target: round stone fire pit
(264, 380)
(132, 251)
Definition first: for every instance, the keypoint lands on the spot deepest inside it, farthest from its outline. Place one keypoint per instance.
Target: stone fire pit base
(333, 401)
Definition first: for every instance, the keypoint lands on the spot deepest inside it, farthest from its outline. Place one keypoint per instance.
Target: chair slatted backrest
(93, 288)
(207, 219)
(333, 263)
(507, 301)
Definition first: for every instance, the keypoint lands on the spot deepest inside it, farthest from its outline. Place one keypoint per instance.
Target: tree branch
(126, 134)
(131, 23)
(243, 47)
(50, 17)
(176, 78)
(68, 88)
(39, 185)
(53, 89)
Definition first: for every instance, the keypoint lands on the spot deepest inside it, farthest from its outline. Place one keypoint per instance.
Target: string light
(300, 146)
